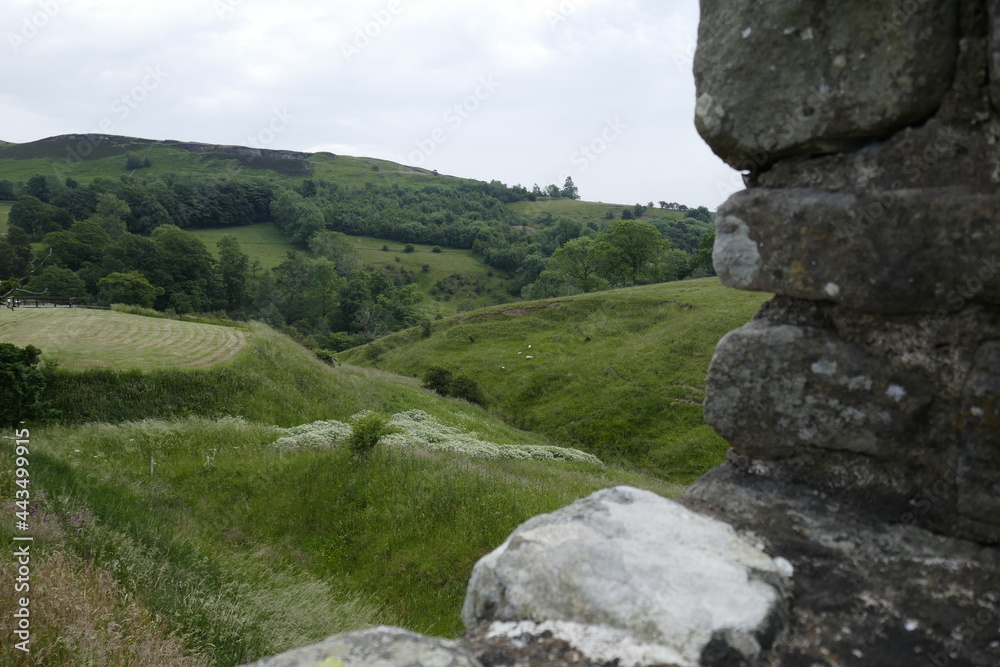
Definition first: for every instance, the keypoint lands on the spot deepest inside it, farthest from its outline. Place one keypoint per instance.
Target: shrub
(426, 327)
(367, 431)
(438, 379)
(385, 248)
(408, 248)
(22, 384)
(327, 357)
(464, 387)
(436, 248)
(426, 268)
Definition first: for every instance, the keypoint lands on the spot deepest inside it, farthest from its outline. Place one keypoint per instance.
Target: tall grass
(243, 551)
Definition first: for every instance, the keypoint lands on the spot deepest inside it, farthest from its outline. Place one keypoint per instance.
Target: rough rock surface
(784, 77)
(627, 563)
(377, 647)
(863, 403)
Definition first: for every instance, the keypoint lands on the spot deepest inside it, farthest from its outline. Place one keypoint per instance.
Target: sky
(522, 91)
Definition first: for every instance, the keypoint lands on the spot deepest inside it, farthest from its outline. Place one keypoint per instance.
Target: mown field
(618, 373)
(4, 212)
(171, 529)
(80, 339)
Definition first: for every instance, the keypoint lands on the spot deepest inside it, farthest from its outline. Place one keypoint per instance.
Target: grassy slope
(79, 339)
(259, 552)
(4, 211)
(584, 211)
(263, 242)
(619, 373)
(18, 162)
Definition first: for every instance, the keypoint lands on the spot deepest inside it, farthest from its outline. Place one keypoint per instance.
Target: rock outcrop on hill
(857, 520)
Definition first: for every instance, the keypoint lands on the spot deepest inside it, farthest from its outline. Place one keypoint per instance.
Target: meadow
(195, 540)
(620, 373)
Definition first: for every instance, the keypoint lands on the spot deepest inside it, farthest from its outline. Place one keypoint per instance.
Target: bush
(328, 357)
(438, 379)
(22, 384)
(385, 248)
(408, 248)
(367, 431)
(464, 387)
(436, 248)
(445, 383)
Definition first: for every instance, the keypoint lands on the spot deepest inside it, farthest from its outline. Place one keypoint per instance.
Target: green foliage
(445, 383)
(23, 382)
(367, 430)
(133, 162)
(130, 288)
(438, 379)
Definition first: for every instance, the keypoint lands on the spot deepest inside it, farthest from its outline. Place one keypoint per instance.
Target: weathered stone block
(376, 647)
(774, 388)
(786, 77)
(907, 251)
(979, 463)
(994, 13)
(632, 572)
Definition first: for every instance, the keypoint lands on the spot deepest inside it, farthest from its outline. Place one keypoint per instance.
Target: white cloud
(377, 78)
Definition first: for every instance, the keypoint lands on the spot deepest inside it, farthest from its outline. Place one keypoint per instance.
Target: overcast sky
(524, 91)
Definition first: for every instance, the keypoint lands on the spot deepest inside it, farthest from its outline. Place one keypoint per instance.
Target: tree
(129, 288)
(234, 268)
(57, 281)
(38, 218)
(7, 191)
(38, 187)
(570, 190)
(553, 191)
(581, 259)
(631, 245)
(22, 384)
(337, 248)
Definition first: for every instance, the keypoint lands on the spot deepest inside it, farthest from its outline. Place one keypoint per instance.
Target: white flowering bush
(317, 435)
(417, 428)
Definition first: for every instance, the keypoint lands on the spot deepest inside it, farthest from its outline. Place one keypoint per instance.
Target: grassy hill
(618, 373)
(171, 529)
(585, 211)
(84, 160)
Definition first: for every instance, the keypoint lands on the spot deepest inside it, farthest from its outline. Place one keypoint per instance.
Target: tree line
(127, 241)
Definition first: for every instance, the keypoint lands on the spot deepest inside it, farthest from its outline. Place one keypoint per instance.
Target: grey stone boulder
(979, 462)
(994, 13)
(786, 77)
(894, 252)
(819, 391)
(627, 575)
(376, 647)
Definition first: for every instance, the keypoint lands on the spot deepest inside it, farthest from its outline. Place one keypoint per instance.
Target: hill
(173, 515)
(618, 373)
(85, 157)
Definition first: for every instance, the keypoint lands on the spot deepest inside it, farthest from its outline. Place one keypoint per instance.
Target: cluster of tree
(553, 191)
(125, 242)
(138, 206)
(629, 252)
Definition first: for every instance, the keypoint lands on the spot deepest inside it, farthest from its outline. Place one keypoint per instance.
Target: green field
(618, 373)
(166, 537)
(585, 211)
(4, 212)
(264, 242)
(80, 339)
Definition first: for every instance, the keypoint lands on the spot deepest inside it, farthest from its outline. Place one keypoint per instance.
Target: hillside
(618, 373)
(85, 157)
(182, 524)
